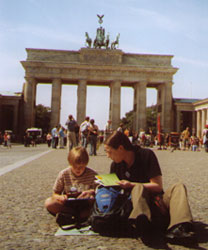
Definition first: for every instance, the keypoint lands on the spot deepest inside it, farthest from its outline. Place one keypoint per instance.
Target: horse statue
(88, 40)
(116, 42)
(107, 41)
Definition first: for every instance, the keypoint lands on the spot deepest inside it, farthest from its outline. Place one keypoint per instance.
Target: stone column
(178, 120)
(166, 99)
(115, 100)
(29, 102)
(198, 120)
(203, 120)
(193, 122)
(55, 102)
(81, 101)
(207, 116)
(140, 106)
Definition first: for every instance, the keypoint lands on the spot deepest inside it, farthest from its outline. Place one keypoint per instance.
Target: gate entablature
(94, 64)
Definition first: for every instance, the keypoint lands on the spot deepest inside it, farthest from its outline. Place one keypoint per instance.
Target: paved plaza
(26, 179)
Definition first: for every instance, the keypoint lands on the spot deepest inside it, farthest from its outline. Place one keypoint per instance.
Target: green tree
(151, 115)
(42, 117)
(152, 119)
(128, 120)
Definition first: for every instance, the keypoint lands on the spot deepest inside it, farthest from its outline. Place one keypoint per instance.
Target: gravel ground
(25, 224)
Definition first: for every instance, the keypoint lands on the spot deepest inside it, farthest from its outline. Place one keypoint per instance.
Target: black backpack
(110, 212)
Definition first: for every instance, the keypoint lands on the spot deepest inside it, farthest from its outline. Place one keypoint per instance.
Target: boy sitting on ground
(75, 181)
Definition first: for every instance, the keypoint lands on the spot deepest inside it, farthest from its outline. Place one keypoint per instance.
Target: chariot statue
(100, 39)
(100, 35)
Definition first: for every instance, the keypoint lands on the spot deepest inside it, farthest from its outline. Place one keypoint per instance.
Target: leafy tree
(42, 117)
(128, 120)
(152, 119)
(151, 115)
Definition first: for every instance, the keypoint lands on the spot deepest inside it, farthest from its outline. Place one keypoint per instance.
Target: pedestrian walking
(48, 139)
(61, 136)
(71, 132)
(186, 138)
(55, 137)
(205, 137)
(93, 134)
(84, 132)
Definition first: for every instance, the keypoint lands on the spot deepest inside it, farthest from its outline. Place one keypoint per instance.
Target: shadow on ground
(159, 241)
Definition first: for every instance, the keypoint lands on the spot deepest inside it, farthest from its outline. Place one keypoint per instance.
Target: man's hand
(126, 184)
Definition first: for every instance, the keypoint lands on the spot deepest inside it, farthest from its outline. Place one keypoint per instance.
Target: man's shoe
(181, 233)
(144, 228)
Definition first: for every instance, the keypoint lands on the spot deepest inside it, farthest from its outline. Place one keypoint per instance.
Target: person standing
(61, 137)
(5, 139)
(9, 145)
(84, 132)
(54, 133)
(93, 133)
(1, 139)
(48, 139)
(71, 135)
(120, 128)
(108, 129)
(186, 137)
(205, 137)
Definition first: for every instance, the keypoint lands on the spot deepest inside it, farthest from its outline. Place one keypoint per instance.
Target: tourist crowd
(88, 133)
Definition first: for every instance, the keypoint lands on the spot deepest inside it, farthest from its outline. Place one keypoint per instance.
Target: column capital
(57, 80)
(169, 84)
(31, 80)
(141, 83)
(115, 83)
(82, 81)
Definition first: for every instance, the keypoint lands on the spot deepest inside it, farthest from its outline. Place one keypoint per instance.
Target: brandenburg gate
(99, 67)
(96, 66)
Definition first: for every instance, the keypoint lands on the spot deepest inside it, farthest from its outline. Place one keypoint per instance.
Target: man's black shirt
(144, 168)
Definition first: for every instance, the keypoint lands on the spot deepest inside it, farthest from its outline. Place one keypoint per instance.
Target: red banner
(158, 128)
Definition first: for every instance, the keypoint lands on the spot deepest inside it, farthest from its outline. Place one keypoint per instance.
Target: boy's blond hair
(78, 155)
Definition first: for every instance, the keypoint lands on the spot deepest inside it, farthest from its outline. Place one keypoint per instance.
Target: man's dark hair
(117, 139)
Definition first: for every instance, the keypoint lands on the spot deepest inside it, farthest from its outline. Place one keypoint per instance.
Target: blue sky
(169, 27)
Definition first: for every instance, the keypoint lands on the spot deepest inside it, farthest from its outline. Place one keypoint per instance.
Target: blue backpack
(110, 212)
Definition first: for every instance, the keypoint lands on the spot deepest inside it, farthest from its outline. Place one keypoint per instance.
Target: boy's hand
(62, 198)
(86, 194)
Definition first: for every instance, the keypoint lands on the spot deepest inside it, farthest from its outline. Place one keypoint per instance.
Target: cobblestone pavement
(25, 224)
(19, 153)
